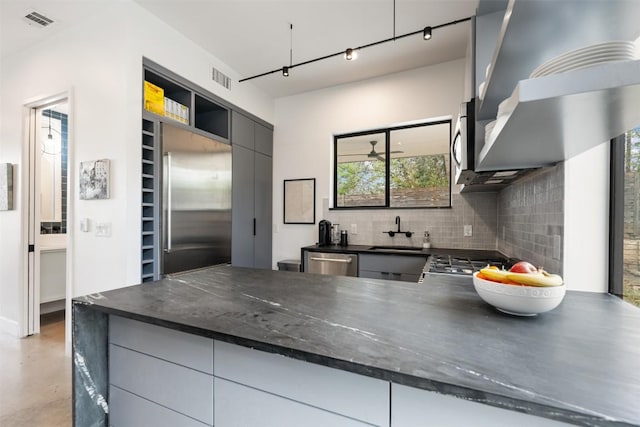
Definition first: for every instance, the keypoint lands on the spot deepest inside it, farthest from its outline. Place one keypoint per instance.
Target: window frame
(616, 215)
(387, 187)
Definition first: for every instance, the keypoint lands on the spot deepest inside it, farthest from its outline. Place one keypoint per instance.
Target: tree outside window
(631, 243)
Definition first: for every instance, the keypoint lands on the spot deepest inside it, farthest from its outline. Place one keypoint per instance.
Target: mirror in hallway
(53, 144)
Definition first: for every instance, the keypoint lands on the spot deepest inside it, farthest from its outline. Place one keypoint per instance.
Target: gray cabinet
(158, 376)
(239, 405)
(252, 180)
(391, 267)
(256, 388)
(263, 184)
(414, 407)
(161, 377)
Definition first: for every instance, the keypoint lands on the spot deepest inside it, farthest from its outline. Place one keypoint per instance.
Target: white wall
(100, 66)
(586, 220)
(306, 123)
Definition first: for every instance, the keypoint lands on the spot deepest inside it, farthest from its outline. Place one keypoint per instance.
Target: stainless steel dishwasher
(336, 264)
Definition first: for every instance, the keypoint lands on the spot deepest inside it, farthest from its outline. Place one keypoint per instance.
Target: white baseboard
(9, 326)
(51, 306)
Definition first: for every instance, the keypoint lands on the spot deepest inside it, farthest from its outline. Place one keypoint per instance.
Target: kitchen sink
(396, 248)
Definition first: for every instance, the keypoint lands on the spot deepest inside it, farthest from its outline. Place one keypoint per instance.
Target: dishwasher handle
(344, 261)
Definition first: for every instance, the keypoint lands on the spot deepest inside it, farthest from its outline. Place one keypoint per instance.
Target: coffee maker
(324, 233)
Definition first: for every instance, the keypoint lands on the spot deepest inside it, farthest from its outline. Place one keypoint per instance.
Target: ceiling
(254, 36)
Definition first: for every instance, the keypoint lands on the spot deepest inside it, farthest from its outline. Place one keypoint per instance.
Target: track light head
(285, 71)
(350, 54)
(426, 33)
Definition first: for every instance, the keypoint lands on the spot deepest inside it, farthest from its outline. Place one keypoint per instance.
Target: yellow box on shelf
(153, 98)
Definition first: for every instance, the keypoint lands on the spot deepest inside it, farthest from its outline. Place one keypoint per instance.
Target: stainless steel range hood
(492, 180)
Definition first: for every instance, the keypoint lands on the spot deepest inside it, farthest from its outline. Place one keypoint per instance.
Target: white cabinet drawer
(414, 407)
(129, 410)
(345, 393)
(179, 388)
(178, 347)
(242, 406)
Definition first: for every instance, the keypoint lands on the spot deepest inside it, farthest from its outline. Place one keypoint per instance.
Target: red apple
(523, 267)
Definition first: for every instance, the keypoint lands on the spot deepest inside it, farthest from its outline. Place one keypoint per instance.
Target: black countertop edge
(361, 249)
(469, 394)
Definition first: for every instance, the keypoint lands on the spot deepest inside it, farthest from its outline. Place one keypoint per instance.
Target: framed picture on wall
(94, 179)
(300, 201)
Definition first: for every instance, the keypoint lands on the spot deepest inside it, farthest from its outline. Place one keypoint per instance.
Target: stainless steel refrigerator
(196, 219)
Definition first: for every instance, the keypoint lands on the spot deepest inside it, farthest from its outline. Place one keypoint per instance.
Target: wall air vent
(37, 19)
(220, 78)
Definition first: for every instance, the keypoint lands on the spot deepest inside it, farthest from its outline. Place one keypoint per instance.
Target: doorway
(48, 207)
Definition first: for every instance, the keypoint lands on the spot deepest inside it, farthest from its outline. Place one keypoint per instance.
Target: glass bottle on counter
(335, 234)
(426, 241)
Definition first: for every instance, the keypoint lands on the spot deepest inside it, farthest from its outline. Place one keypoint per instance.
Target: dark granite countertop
(578, 363)
(368, 249)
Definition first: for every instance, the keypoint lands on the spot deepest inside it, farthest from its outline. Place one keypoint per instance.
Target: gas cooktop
(449, 264)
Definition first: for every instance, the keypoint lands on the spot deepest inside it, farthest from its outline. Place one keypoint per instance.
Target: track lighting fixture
(352, 53)
(426, 33)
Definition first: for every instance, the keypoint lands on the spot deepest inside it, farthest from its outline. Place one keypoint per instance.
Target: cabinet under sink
(393, 262)
(391, 267)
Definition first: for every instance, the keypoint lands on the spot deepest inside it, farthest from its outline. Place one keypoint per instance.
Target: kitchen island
(357, 352)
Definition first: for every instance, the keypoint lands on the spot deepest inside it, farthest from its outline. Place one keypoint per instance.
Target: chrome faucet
(392, 233)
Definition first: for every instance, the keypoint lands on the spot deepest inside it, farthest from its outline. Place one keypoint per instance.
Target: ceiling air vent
(221, 78)
(37, 19)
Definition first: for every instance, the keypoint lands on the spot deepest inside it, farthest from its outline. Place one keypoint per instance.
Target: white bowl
(519, 300)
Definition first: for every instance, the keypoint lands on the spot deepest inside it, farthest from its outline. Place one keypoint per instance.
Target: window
(624, 266)
(400, 167)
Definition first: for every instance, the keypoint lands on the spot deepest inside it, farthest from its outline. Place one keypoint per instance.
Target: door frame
(29, 319)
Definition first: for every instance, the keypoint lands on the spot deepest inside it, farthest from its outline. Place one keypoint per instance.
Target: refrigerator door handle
(254, 226)
(168, 181)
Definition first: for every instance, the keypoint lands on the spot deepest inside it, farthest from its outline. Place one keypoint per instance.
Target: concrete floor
(35, 377)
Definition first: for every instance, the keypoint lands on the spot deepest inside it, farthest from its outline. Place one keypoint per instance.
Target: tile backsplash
(445, 226)
(531, 218)
(523, 221)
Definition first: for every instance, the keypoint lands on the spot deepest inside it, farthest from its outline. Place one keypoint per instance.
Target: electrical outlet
(103, 229)
(354, 228)
(468, 230)
(85, 225)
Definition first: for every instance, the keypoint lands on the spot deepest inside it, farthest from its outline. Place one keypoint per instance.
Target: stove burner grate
(462, 265)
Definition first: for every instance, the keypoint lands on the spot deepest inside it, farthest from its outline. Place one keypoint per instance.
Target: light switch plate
(103, 229)
(468, 230)
(354, 228)
(85, 225)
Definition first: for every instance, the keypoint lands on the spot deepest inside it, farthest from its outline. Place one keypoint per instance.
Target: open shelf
(211, 117)
(149, 214)
(204, 114)
(172, 89)
(562, 115)
(535, 31)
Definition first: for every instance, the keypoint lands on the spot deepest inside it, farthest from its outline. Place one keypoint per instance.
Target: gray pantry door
(263, 210)
(242, 207)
